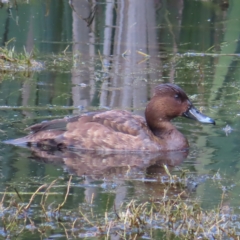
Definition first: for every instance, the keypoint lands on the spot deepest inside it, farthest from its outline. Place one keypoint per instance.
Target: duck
(121, 130)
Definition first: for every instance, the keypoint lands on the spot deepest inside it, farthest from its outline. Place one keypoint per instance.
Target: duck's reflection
(144, 170)
(109, 164)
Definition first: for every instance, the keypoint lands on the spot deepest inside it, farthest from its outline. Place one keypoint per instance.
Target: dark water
(94, 56)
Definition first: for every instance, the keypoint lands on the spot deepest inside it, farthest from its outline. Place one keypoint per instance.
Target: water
(116, 62)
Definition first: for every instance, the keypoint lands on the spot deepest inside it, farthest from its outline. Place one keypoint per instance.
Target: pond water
(110, 55)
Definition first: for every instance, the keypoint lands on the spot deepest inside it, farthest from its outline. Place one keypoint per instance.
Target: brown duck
(119, 130)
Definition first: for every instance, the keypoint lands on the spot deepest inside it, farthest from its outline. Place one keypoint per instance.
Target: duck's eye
(176, 96)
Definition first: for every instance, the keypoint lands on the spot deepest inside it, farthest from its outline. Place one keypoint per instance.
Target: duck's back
(110, 130)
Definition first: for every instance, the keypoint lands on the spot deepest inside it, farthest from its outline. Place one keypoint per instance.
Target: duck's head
(170, 101)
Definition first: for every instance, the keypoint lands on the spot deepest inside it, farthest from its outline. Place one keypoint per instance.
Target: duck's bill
(193, 113)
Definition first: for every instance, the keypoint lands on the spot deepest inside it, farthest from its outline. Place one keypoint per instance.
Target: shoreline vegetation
(177, 216)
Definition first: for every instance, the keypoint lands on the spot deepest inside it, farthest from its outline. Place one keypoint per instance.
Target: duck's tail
(41, 137)
(45, 140)
(19, 141)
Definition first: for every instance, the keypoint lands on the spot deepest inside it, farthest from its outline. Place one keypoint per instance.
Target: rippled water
(111, 55)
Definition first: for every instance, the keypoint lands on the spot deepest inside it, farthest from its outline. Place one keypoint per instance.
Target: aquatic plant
(175, 215)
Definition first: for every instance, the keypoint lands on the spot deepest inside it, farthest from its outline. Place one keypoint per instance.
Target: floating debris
(143, 54)
(82, 85)
(228, 129)
(126, 53)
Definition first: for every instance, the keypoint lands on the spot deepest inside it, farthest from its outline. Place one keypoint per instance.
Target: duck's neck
(162, 129)
(166, 133)
(170, 137)
(156, 121)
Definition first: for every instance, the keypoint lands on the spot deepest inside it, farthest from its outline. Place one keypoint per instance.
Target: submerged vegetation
(173, 215)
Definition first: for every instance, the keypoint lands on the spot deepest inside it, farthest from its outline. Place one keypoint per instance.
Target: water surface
(111, 55)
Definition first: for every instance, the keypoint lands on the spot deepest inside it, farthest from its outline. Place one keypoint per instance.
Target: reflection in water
(121, 50)
(126, 176)
(75, 7)
(124, 78)
(100, 165)
(144, 171)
